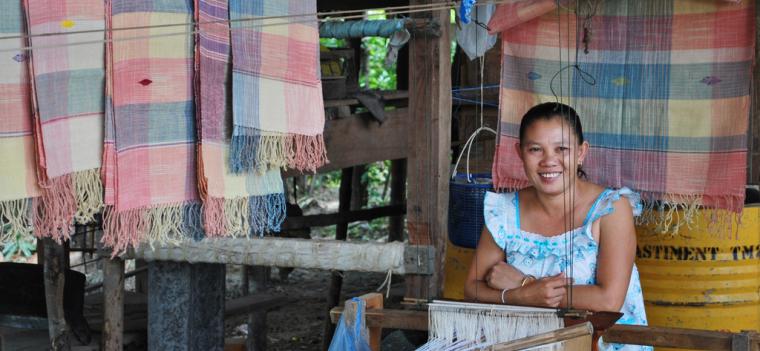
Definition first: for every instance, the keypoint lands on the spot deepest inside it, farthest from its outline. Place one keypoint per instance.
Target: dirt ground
(298, 324)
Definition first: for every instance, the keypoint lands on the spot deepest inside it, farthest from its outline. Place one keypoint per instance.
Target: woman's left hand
(503, 276)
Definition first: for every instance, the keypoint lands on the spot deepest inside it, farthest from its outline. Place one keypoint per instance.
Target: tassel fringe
(76, 196)
(249, 150)
(164, 225)
(255, 215)
(15, 219)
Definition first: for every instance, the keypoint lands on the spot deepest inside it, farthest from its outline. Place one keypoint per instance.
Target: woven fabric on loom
(278, 112)
(668, 113)
(18, 179)
(149, 154)
(233, 204)
(68, 120)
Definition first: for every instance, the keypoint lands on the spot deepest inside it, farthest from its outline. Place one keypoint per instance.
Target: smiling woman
(562, 242)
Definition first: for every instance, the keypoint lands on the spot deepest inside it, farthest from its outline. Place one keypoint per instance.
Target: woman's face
(551, 154)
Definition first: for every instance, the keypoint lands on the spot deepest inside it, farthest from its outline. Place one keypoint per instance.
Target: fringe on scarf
(244, 216)
(72, 197)
(678, 215)
(15, 219)
(163, 225)
(249, 150)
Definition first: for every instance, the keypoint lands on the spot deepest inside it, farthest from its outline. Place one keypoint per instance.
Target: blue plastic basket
(466, 208)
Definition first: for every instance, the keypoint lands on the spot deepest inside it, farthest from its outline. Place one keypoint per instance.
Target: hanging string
(389, 11)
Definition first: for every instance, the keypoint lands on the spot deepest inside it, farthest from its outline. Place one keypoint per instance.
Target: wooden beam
(322, 220)
(579, 331)
(390, 319)
(359, 256)
(429, 145)
(342, 5)
(753, 135)
(359, 140)
(671, 337)
(113, 304)
(387, 96)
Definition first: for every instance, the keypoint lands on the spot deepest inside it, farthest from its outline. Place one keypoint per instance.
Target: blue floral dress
(543, 256)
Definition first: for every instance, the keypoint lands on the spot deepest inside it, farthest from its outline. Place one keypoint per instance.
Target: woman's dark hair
(551, 110)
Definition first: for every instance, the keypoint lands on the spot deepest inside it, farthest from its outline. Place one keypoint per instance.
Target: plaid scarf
(278, 113)
(149, 153)
(68, 118)
(18, 180)
(667, 112)
(233, 204)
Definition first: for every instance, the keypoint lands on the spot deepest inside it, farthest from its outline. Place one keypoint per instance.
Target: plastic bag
(474, 39)
(351, 334)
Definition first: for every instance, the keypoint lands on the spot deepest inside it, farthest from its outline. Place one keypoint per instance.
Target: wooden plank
(359, 140)
(113, 304)
(387, 96)
(579, 335)
(429, 145)
(669, 337)
(390, 319)
(322, 220)
(253, 303)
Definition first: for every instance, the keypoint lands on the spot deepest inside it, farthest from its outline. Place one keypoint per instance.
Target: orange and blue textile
(68, 98)
(661, 86)
(278, 111)
(18, 178)
(149, 153)
(240, 204)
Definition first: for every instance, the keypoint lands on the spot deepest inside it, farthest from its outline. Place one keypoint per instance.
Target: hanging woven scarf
(149, 158)
(667, 112)
(68, 120)
(278, 112)
(18, 180)
(233, 204)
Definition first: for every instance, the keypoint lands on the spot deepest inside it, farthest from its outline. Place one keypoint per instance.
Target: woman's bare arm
(617, 251)
(489, 275)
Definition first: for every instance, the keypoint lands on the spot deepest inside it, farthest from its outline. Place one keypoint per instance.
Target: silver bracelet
(502, 296)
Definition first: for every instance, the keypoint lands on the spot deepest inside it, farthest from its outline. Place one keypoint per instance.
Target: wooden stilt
(113, 304)
(429, 138)
(341, 233)
(257, 320)
(55, 279)
(398, 190)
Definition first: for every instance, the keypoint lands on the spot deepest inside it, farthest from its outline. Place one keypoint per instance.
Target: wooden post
(113, 304)
(374, 302)
(257, 321)
(55, 279)
(341, 233)
(398, 191)
(753, 154)
(429, 141)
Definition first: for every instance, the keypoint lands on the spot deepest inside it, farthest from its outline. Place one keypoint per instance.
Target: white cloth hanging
(473, 38)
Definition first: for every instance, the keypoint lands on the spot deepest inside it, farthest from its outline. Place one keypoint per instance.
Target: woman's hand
(503, 276)
(544, 292)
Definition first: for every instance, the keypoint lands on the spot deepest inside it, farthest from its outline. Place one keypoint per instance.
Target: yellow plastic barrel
(456, 267)
(701, 279)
